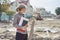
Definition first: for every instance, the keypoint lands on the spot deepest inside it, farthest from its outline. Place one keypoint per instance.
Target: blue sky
(49, 5)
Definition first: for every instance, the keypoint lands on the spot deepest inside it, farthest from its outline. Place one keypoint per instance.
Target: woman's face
(23, 10)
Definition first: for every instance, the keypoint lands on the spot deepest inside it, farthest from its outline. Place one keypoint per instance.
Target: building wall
(16, 4)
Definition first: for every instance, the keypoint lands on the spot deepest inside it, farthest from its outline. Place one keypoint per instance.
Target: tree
(57, 10)
(0, 7)
(5, 7)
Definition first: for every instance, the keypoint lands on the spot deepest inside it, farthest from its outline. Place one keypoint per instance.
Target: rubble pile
(47, 30)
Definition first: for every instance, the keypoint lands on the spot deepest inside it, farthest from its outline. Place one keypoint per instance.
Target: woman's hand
(25, 27)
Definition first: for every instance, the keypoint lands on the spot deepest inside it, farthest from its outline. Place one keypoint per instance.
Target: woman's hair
(17, 9)
(20, 7)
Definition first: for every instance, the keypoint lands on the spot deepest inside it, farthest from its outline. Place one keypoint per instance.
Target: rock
(7, 31)
(4, 27)
(12, 39)
(2, 36)
(57, 39)
(39, 38)
(34, 35)
(47, 38)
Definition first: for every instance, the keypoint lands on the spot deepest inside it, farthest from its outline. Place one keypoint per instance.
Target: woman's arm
(15, 24)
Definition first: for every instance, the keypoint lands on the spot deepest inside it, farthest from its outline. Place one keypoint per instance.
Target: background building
(44, 13)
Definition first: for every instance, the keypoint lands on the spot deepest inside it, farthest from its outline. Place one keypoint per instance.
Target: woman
(21, 33)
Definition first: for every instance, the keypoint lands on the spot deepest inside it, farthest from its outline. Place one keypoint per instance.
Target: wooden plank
(32, 30)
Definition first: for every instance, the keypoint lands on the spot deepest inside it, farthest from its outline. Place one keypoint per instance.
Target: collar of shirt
(20, 13)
